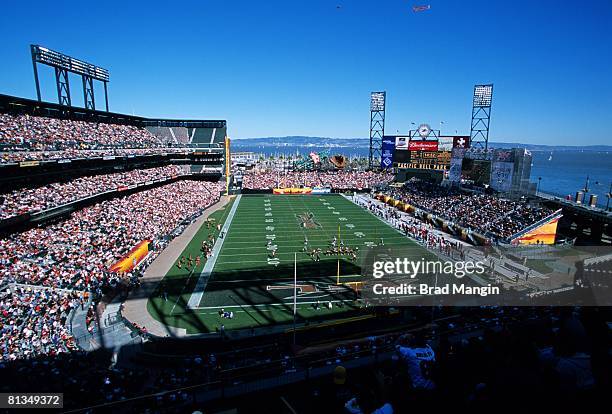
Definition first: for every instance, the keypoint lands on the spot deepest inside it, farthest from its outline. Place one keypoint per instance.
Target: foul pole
(228, 162)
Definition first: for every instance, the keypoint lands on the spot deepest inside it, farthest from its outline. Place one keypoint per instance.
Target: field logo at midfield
(307, 220)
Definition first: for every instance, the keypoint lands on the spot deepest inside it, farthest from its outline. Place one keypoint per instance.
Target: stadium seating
(31, 200)
(484, 213)
(76, 253)
(49, 134)
(265, 180)
(36, 138)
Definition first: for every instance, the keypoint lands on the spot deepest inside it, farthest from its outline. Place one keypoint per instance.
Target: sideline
(198, 291)
(135, 306)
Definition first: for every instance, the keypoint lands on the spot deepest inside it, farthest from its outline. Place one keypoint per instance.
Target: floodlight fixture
(63, 64)
(377, 101)
(483, 95)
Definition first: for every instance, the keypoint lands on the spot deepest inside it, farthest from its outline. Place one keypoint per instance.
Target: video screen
(476, 171)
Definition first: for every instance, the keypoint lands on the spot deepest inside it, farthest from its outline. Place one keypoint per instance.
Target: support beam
(36, 80)
(106, 95)
(88, 93)
(63, 86)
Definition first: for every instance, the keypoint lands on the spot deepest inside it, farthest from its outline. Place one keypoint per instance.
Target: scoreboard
(426, 160)
(411, 152)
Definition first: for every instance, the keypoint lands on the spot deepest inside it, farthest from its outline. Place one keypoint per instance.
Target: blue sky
(277, 68)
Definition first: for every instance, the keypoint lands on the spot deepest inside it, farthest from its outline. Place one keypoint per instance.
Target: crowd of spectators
(37, 133)
(31, 200)
(78, 252)
(33, 322)
(19, 154)
(477, 211)
(75, 253)
(36, 138)
(477, 359)
(419, 230)
(512, 358)
(265, 180)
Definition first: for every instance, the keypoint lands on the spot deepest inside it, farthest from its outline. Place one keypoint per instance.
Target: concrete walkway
(135, 307)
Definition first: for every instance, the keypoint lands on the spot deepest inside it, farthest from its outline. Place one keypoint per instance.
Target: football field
(252, 272)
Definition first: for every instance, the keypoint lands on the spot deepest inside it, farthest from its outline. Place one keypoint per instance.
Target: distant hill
(356, 143)
(301, 141)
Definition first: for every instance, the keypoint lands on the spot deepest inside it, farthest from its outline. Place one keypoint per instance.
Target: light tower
(377, 127)
(481, 116)
(63, 64)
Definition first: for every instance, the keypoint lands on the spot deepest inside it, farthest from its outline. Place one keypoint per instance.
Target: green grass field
(257, 287)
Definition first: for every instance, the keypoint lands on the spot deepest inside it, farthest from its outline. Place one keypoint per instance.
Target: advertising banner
(388, 148)
(401, 143)
(454, 173)
(501, 176)
(131, 260)
(543, 234)
(423, 145)
(305, 190)
(461, 141)
(321, 190)
(446, 143)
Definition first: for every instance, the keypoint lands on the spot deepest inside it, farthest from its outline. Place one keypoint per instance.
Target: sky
(277, 68)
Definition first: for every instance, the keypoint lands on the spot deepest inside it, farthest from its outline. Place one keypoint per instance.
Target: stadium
(147, 266)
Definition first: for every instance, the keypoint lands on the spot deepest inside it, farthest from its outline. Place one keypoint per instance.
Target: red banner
(130, 260)
(423, 146)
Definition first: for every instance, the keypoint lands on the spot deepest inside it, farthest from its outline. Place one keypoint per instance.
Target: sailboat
(550, 156)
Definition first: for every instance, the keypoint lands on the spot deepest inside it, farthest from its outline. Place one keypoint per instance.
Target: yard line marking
(311, 279)
(269, 304)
